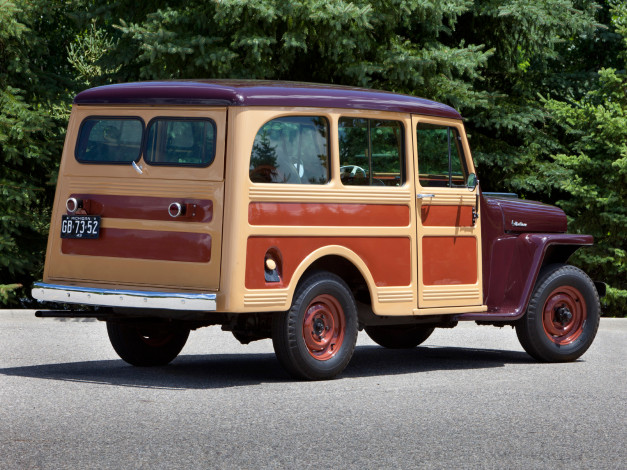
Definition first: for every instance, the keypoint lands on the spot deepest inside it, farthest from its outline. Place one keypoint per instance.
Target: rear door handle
(424, 196)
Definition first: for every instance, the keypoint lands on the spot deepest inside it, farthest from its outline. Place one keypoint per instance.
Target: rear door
(154, 176)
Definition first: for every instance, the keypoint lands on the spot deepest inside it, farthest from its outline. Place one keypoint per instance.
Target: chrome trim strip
(123, 298)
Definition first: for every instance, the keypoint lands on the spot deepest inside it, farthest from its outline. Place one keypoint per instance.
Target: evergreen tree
(388, 44)
(586, 166)
(33, 114)
(523, 72)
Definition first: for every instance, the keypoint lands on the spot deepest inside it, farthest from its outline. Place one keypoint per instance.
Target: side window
(371, 152)
(180, 142)
(292, 150)
(441, 159)
(109, 140)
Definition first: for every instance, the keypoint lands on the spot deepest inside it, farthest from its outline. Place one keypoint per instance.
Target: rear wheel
(147, 344)
(399, 336)
(316, 338)
(562, 317)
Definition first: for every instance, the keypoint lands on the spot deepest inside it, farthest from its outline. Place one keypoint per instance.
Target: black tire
(147, 344)
(399, 336)
(562, 317)
(316, 338)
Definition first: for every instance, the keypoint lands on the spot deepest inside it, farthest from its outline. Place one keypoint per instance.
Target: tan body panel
(238, 294)
(145, 263)
(383, 238)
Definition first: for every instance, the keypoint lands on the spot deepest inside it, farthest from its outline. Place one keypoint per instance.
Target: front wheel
(562, 317)
(147, 344)
(316, 338)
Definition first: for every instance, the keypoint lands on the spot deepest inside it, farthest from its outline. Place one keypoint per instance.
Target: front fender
(512, 269)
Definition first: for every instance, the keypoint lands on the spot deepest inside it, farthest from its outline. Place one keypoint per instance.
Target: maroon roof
(260, 93)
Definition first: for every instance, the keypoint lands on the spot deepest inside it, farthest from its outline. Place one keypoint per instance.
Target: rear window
(109, 140)
(180, 142)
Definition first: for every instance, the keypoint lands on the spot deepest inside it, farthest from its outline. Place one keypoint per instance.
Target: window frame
(179, 118)
(329, 143)
(110, 118)
(402, 146)
(459, 146)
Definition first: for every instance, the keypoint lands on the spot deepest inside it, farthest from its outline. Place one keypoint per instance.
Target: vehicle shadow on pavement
(374, 361)
(235, 370)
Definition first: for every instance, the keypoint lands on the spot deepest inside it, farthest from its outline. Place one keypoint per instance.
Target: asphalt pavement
(470, 397)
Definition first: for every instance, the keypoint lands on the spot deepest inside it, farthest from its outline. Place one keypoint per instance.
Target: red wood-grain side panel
(446, 216)
(145, 208)
(143, 244)
(323, 214)
(389, 259)
(449, 260)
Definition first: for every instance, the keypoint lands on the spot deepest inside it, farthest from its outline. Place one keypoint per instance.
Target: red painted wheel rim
(323, 327)
(564, 314)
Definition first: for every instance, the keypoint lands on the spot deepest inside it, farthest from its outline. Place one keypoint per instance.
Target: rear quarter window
(292, 150)
(109, 140)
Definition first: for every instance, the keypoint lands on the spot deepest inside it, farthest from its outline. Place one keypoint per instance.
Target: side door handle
(424, 196)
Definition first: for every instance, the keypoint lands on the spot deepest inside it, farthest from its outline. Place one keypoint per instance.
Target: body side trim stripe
(328, 214)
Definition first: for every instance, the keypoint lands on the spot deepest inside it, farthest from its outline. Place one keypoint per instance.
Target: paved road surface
(470, 398)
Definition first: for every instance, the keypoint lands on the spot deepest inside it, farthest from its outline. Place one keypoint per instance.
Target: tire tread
(535, 342)
(286, 331)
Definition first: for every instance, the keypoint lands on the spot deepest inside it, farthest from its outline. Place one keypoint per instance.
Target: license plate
(80, 226)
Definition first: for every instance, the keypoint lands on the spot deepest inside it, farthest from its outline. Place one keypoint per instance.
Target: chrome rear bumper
(124, 298)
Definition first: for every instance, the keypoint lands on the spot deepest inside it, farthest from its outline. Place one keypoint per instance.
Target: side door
(448, 223)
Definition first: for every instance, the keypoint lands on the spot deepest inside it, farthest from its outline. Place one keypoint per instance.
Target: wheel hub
(318, 327)
(323, 327)
(564, 315)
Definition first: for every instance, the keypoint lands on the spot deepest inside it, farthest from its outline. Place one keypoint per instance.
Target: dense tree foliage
(33, 115)
(584, 163)
(541, 83)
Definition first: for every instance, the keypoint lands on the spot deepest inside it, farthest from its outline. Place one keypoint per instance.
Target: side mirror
(472, 182)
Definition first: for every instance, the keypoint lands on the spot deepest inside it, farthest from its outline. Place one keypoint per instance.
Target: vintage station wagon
(302, 213)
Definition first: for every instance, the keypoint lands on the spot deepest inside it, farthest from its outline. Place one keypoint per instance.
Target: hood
(520, 215)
